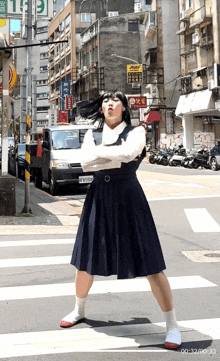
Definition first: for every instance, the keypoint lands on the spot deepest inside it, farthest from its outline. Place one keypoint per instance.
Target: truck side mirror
(46, 145)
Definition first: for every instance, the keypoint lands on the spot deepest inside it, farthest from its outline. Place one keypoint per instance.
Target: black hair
(93, 110)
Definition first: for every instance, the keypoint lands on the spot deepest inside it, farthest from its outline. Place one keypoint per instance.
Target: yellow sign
(134, 68)
(28, 120)
(134, 73)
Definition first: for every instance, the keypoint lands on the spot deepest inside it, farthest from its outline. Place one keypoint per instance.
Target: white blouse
(99, 157)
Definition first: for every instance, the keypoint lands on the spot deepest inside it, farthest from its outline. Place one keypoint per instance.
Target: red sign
(137, 102)
(63, 117)
(68, 102)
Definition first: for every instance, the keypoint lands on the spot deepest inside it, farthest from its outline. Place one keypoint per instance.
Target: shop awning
(195, 102)
(153, 116)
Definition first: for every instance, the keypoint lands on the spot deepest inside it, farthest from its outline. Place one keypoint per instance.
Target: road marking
(207, 256)
(181, 197)
(201, 221)
(153, 182)
(35, 261)
(99, 287)
(37, 242)
(103, 338)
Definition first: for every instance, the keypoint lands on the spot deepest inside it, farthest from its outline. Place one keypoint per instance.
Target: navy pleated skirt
(116, 233)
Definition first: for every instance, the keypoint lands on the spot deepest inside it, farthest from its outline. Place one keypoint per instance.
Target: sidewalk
(48, 214)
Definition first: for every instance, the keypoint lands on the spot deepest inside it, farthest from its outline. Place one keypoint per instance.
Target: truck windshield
(65, 139)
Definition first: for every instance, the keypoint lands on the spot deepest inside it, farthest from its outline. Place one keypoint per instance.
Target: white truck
(60, 161)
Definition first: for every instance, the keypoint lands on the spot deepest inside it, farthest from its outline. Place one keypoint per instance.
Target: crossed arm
(106, 157)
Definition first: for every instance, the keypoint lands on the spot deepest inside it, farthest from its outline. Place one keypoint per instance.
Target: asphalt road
(123, 320)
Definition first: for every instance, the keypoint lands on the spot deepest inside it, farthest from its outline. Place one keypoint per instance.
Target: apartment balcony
(206, 42)
(63, 71)
(186, 50)
(57, 74)
(68, 68)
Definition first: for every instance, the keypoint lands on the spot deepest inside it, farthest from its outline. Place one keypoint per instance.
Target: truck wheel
(38, 180)
(53, 186)
(214, 165)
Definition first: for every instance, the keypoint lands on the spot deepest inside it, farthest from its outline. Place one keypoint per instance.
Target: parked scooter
(153, 156)
(164, 156)
(178, 156)
(200, 159)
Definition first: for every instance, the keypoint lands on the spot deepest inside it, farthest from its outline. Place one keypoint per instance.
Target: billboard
(134, 73)
(14, 8)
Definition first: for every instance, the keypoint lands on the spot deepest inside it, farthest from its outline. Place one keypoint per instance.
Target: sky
(15, 25)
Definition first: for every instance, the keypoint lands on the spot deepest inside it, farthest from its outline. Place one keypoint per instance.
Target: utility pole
(26, 208)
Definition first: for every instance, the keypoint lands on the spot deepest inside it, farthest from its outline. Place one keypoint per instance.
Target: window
(188, 4)
(67, 20)
(44, 55)
(43, 68)
(133, 25)
(113, 13)
(42, 96)
(42, 109)
(85, 17)
(42, 82)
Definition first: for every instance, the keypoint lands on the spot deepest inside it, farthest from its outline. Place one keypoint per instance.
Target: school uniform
(116, 233)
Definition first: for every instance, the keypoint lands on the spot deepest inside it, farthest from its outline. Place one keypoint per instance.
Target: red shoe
(66, 324)
(173, 339)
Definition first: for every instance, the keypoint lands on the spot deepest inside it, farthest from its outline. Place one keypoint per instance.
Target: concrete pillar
(188, 131)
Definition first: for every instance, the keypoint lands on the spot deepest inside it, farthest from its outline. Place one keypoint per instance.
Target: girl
(117, 234)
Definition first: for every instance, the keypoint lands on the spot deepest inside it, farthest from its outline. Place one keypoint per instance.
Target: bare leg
(83, 283)
(161, 290)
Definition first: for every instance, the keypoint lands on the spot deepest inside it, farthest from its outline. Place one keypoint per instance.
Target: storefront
(199, 112)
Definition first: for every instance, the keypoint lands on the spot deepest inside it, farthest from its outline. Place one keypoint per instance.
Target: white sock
(170, 318)
(173, 332)
(79, 311)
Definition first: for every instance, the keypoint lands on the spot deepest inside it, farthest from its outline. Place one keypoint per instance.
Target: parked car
(20, 160)
(214, 158)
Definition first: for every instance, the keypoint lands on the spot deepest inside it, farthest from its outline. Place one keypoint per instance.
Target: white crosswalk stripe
(138, 337)
(99, 287)
(201, 221)
(101, 338)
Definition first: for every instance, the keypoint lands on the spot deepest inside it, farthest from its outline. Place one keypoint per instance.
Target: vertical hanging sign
(65, 90)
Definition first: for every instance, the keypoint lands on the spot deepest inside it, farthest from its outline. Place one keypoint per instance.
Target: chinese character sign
(65, 90)
(137, 102)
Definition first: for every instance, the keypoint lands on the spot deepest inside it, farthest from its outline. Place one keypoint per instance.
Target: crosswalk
(121, 336)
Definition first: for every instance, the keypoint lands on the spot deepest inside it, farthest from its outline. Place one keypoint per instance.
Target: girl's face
(112, 109)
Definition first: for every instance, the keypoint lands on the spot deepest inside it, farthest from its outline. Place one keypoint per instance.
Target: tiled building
(199, 103)
(162, 71)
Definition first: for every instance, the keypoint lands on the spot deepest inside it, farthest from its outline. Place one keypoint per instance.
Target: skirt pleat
(116, 233)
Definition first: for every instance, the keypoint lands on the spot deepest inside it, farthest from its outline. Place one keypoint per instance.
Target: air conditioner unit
(182, 15)
(195, 38)
(85, 68)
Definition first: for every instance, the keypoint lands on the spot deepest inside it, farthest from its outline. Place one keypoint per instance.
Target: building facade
(199, 103)
(162, 72)
(107, 47)
(67, 61)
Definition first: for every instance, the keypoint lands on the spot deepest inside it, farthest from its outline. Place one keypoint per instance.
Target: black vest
(129, 167)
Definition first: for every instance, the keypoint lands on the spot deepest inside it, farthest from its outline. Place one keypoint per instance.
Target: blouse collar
(110, 136)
